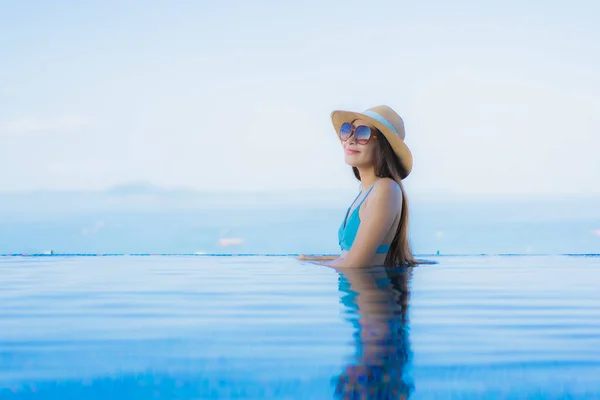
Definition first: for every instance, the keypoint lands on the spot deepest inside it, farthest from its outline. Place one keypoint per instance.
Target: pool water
(205, 327)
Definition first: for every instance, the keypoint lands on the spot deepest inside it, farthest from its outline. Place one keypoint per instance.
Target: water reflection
(376, 303)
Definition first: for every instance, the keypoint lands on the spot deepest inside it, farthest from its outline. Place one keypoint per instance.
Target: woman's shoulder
(387, 190)
(387, 186)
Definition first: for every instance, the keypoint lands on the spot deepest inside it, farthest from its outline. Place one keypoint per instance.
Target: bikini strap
(367, 195)
(359, 204)
(353, 201)
(348, 210)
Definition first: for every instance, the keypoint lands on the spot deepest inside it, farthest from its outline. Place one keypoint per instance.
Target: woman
(375, 229)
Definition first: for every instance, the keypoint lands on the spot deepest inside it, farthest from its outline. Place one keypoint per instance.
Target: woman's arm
(316, 258)
(379, 214)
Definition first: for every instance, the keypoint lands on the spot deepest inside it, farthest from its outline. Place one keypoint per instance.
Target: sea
(273, 327)
(121, 296)
(144, 220)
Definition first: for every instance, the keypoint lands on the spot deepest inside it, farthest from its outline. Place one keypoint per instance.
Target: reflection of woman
(375, 229)
(376, 301)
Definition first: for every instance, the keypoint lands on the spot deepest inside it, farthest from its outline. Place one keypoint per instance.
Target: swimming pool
(272, 327)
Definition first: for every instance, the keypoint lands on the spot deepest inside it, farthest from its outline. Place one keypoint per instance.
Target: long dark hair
(387, 165)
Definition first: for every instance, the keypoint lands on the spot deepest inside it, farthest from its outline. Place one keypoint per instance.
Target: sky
(498, 98)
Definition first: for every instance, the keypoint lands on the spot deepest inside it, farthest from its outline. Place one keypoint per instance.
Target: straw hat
(388, 122)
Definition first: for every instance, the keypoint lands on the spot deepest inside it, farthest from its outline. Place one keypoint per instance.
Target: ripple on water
(272, 327)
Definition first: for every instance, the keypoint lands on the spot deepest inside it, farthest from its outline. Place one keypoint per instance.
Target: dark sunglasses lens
(345, 131)
(363, 134)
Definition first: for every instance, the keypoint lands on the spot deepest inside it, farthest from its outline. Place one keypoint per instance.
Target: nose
(351, 139)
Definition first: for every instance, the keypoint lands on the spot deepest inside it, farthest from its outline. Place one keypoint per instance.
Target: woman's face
(356, 154)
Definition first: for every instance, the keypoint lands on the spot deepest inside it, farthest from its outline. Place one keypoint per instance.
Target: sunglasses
(362, 133)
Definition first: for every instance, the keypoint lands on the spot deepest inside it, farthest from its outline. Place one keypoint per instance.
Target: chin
(352, 163)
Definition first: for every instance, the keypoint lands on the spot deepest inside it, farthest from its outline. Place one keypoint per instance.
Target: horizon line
(32, 255)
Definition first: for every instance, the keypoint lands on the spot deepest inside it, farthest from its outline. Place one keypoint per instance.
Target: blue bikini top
(349, 228)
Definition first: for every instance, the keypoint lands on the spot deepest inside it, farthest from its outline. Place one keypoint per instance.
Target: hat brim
(339, 117)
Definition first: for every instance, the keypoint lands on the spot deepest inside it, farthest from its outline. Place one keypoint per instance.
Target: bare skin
(379, 214)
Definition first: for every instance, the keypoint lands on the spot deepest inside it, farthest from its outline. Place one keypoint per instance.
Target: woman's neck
(367, 177)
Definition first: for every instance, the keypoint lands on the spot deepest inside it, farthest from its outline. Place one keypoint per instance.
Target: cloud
(28, 126)
(97, 227)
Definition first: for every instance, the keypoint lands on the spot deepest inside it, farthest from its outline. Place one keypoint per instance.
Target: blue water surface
(485, 327)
